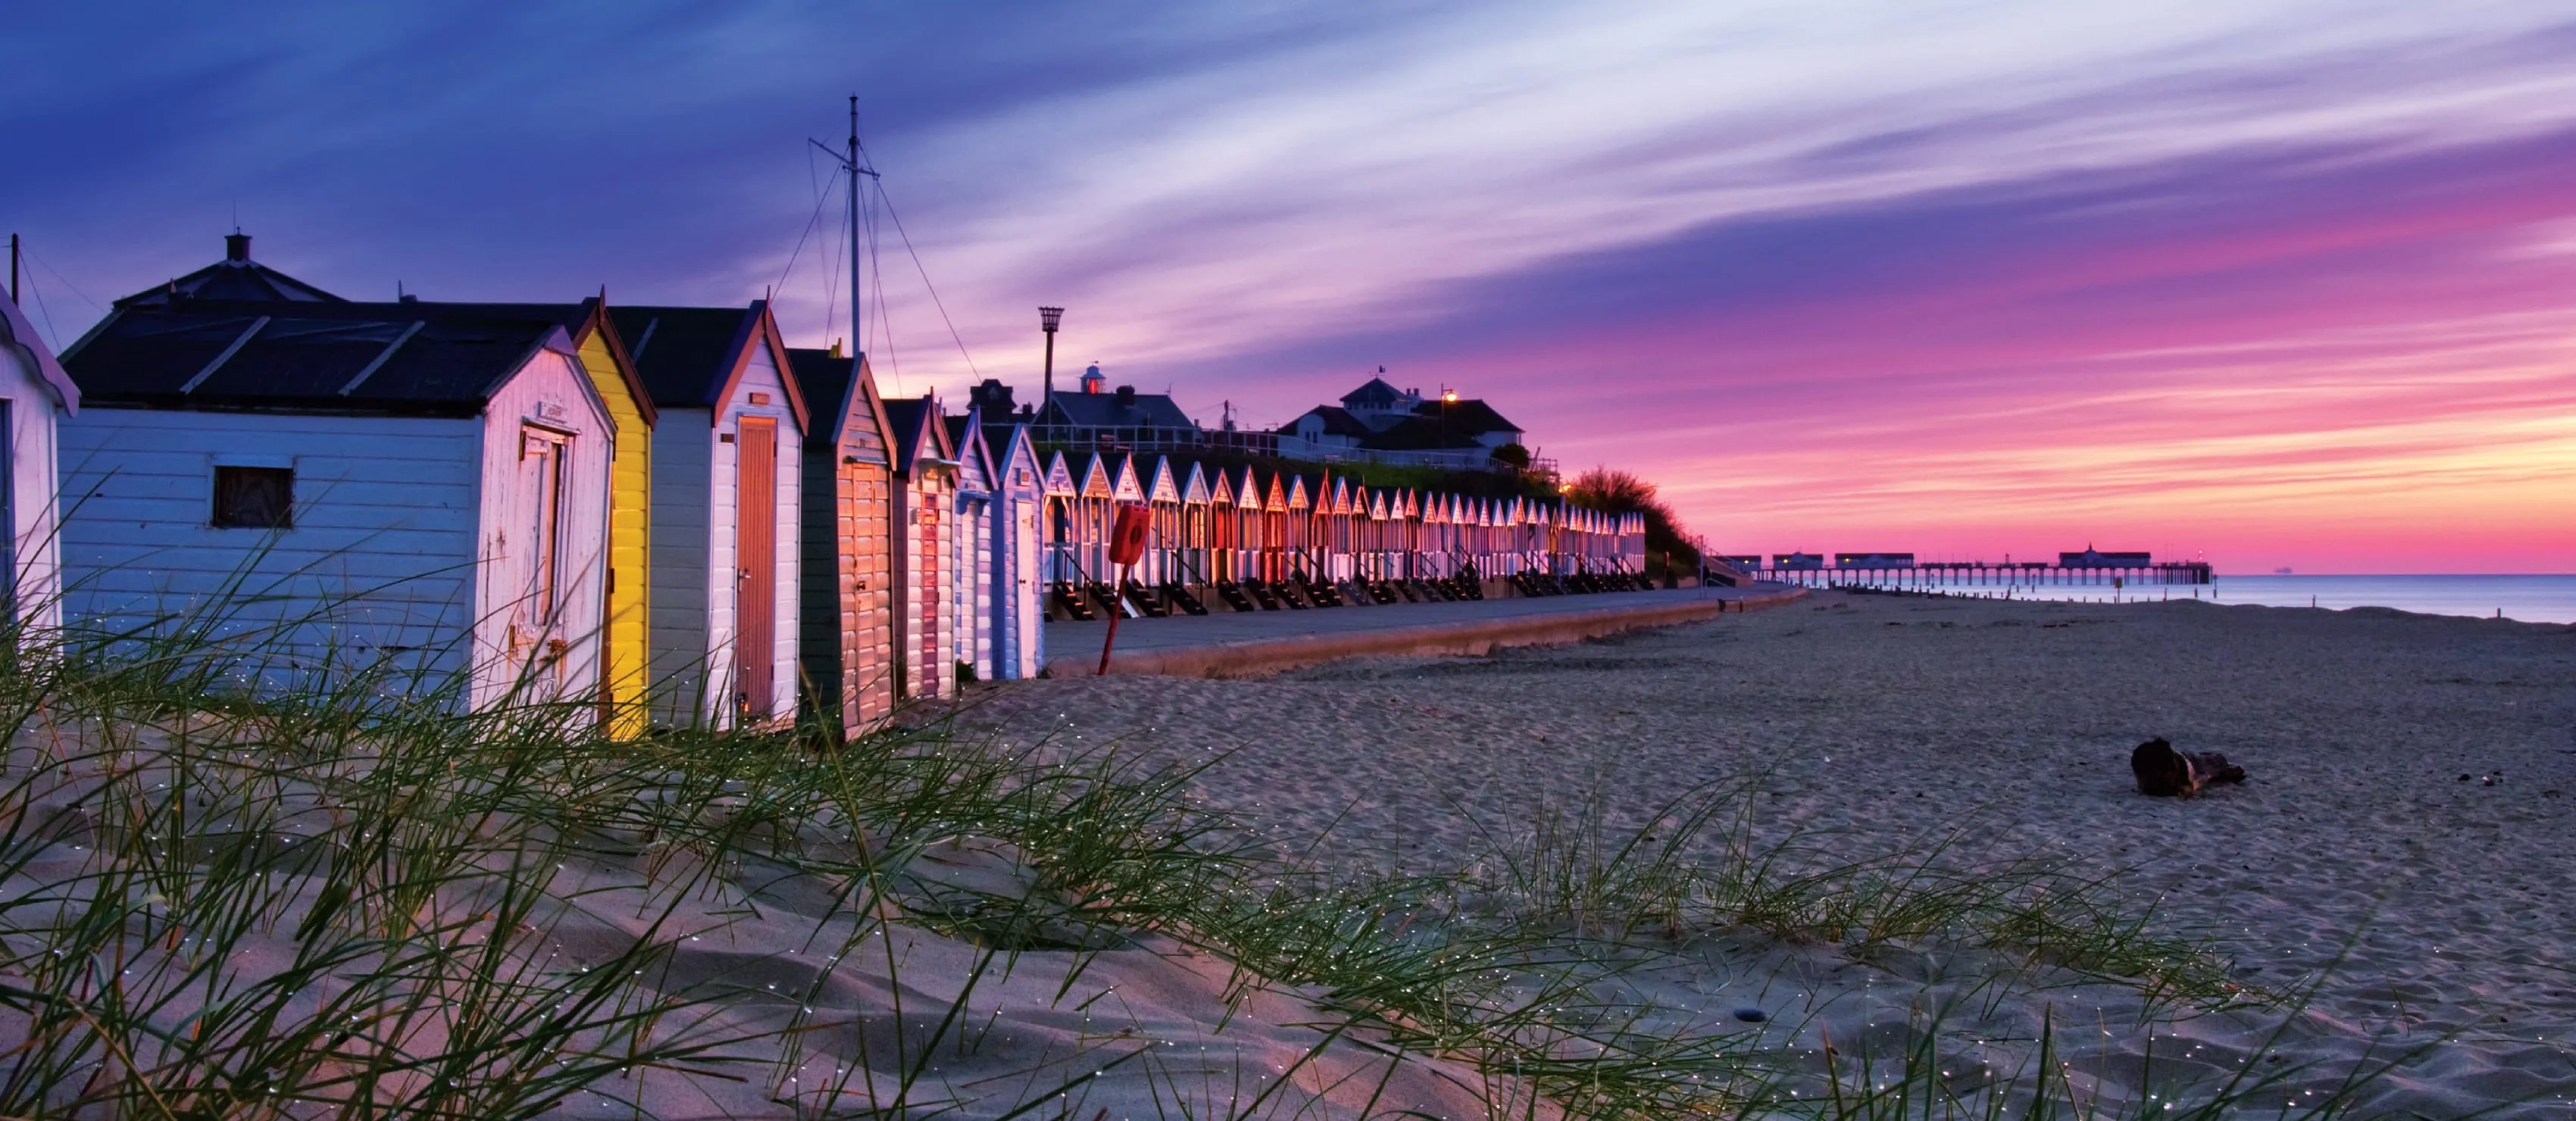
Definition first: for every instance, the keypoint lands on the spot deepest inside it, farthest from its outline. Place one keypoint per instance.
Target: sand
(2392, 881)
(2402, 853)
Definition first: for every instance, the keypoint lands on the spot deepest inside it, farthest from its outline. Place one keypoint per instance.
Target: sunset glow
(2287, 284)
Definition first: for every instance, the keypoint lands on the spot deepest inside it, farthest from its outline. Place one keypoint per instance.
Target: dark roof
(1338, 421)
(997, 442)
(218, 356)
(1102, 410)
(1376, 392)
(1469, 415)
(575, 319)
(907, 415)
(824, 380)
(1420, 433)
(685, 354)
(957, 432)
(236, 277)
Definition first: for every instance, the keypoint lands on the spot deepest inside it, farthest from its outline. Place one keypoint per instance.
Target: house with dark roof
(728, 517)
(398, 490)
(236, 277)
(35, 394)
(1121, 419)
(1379, 423)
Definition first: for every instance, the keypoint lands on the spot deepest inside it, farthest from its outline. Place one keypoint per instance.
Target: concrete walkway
(1228, 644)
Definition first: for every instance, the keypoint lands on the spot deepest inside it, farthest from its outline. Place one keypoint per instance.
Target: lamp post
(1048, 317)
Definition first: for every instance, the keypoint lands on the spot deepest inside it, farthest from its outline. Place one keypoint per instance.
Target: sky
(2272, 284)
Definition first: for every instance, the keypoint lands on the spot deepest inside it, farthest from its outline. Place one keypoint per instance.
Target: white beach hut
(1020, 496)
(970, 544)
(34, 394)
(345, 486)
(727, 514)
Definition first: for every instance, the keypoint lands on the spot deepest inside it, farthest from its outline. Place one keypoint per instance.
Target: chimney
(237, 247)
(1126, 396)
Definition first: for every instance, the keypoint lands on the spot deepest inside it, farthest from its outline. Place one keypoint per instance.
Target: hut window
(255, 497)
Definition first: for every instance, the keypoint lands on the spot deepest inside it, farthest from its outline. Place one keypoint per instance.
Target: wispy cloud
(2248, 277)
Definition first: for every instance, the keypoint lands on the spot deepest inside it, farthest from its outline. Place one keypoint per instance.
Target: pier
(1901, 572)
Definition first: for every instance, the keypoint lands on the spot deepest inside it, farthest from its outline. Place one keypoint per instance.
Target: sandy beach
(1883, 844)
(2392, 877)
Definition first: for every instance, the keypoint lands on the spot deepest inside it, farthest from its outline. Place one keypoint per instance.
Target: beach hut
(1057, 562)
(728, 516)
(1163, 498)
(625, 643)
(35, 394)
(1198, 529)
(925, 619)
(1021, 494)
(391, 488)
(970, 544)
(845, 633)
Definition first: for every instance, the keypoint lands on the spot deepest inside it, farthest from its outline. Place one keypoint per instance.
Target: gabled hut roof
(1297, 499)
(1096, 481)
(1377, 507)
(1163, 488)
(692, 357)
(1124, 478)
(920, 438)
(966, 437)
(1248, 489)
(216, 355)
(17, 333)
(828, 381)
(1059, 477)
(1195, 491)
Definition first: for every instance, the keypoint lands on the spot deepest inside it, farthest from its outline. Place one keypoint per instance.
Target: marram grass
(354, 900)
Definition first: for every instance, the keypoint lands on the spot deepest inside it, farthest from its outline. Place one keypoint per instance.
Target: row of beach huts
(666, 509)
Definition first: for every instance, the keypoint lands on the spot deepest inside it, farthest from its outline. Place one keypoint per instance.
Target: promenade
(1227, 644)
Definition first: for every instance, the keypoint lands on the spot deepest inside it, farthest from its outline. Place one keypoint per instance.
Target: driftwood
(2166, 773)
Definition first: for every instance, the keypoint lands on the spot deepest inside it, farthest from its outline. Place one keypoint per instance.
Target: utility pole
(858, 339)
(13, 268)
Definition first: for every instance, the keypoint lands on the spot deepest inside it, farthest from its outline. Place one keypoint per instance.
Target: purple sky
(2287, 284)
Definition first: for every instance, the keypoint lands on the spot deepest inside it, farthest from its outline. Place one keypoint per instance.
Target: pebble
(1751, 1015)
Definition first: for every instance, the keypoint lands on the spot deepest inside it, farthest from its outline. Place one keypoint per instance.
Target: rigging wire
(821, 196)
(43, 311)
(917, 266)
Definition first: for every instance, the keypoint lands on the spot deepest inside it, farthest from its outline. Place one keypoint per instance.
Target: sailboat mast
(858, 341)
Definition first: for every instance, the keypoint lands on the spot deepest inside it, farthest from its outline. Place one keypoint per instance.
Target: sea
(2530, 599)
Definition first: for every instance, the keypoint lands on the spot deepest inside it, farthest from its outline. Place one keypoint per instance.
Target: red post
(1126, 547)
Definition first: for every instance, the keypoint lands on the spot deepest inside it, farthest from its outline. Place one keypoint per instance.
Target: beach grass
(357, 899)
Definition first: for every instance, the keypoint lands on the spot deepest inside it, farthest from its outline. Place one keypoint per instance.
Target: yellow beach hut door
(536, 649)
(756, 551)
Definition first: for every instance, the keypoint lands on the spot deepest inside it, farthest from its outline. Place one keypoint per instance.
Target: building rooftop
(394, 358)
(236, 277)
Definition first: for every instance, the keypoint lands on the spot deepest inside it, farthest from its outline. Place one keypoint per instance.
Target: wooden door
(537, 649)
(867, 611)
(755, 545)
(931, 586)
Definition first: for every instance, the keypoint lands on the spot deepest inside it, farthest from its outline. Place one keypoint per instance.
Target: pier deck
(1235, 645)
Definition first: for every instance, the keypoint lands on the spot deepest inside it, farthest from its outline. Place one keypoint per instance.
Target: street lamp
(1048, 317)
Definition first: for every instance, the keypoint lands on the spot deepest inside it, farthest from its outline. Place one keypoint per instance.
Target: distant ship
(2280, 572)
